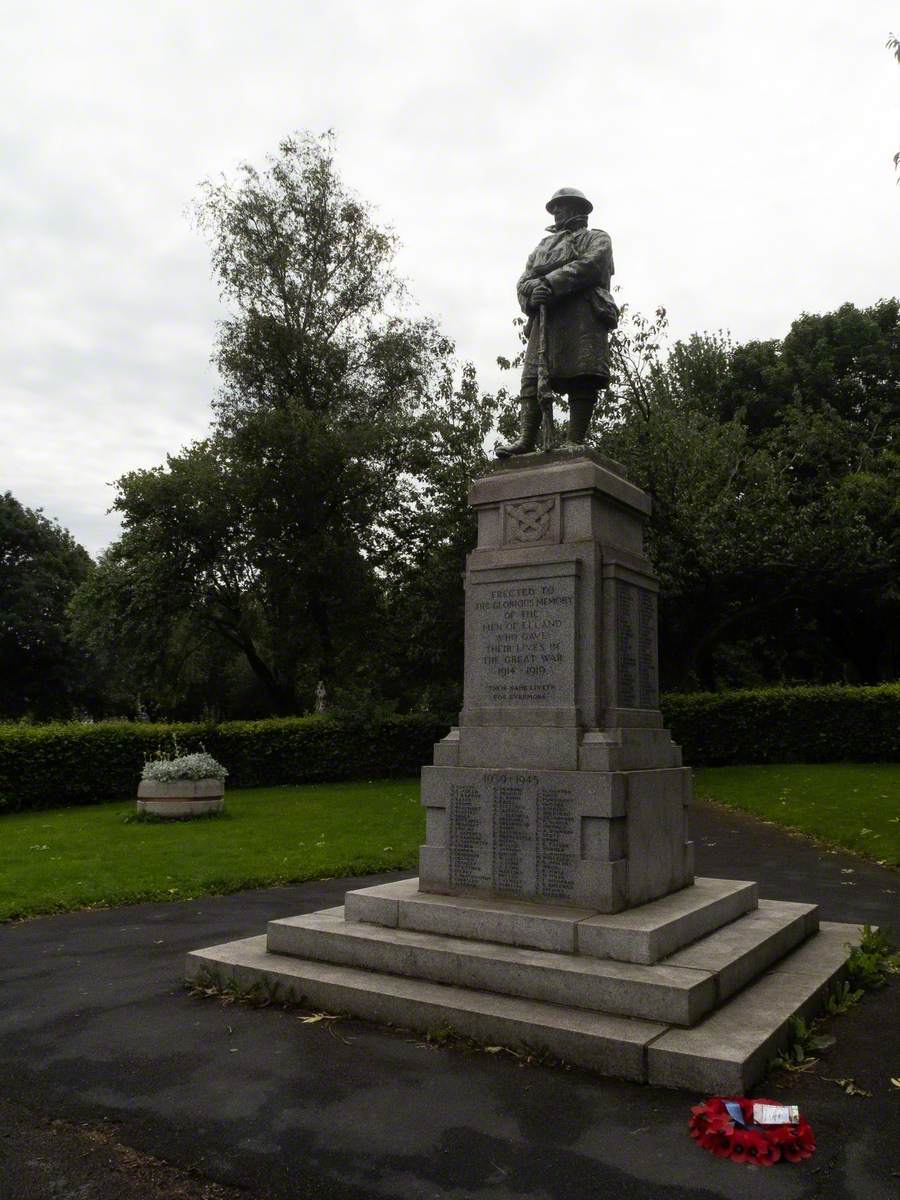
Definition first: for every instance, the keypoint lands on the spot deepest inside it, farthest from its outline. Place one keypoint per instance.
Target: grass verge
(60, 859)
(852, 805)
(55, 860)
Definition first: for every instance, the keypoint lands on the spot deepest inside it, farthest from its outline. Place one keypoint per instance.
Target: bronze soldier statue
(568, 276)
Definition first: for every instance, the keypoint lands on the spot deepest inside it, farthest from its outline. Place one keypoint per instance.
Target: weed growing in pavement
(805, 1043)
(843, 997)
(869, 966)
(210, 984)
(873, 961)
(261, 993)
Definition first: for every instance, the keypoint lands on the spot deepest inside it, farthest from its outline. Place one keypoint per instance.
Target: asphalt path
(115, 1082)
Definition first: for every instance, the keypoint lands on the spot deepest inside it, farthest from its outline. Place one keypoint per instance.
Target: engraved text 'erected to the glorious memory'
(512, 835)
(523, 635)
(636, 666)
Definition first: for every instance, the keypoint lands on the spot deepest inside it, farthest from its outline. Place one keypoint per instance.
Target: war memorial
(556, 904)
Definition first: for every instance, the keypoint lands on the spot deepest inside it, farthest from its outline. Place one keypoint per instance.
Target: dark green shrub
(800, 724)
(50, 766)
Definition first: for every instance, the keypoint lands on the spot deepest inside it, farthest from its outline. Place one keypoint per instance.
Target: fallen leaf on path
(319, 1016)
(850, 1086)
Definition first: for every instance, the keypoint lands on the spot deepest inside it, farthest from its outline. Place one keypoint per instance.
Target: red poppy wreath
(725, 1126)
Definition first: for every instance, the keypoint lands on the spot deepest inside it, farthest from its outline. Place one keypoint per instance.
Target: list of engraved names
(523, 636)
(636, 665)
(512, 835)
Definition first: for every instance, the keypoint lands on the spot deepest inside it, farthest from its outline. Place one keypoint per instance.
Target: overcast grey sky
(739, 153)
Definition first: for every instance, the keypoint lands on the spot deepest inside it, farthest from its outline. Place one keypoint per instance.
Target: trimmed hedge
(51, 766)
(798, 724)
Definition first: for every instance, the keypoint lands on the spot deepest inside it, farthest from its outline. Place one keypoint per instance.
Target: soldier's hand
(542, 294)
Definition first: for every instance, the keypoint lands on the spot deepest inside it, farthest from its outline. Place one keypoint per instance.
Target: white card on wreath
(776, 1114)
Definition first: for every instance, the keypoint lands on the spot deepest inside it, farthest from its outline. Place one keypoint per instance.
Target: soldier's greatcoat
(578, 266)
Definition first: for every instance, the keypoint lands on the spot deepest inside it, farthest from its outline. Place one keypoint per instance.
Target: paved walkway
(115, 1083)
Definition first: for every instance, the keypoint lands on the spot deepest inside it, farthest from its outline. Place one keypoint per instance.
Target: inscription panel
(521, 642)
(514, 834)
(558, 841)
(470, 836)
(637, 671)
(648, 665)
(514, 837)
(626, 645)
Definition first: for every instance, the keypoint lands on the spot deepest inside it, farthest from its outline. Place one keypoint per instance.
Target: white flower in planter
(183, 785)
(187, 766)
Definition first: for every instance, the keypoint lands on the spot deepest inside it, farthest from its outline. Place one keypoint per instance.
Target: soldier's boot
(580, 410)
(529, 427)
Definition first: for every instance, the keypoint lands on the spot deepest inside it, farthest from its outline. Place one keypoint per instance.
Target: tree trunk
(283, 696)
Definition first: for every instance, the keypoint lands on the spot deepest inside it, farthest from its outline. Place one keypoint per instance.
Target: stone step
(739, 952)
(726, 1053)
(731, 1048)
(641, 935)
(401, 905)
(656, 930)
(677, 992)
(609, 1044)
(675, 995)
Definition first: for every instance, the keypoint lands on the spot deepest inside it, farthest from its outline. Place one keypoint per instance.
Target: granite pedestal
(556, 904)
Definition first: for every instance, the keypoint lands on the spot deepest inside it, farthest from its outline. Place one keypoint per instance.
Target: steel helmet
(570, 194)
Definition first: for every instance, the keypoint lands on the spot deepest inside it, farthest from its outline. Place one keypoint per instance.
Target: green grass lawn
(82, 857)
(853, 805)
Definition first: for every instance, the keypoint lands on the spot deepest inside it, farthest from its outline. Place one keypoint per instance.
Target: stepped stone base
(694, 990)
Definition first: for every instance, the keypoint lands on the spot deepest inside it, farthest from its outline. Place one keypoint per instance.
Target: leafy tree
(41, 565)
(775, 505)
(257, 535)
(423, 656)
(152, 661)
(315, 303)
(298, 534)
(844, 364)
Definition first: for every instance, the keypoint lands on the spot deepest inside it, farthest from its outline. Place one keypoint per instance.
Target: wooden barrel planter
(181, 797)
